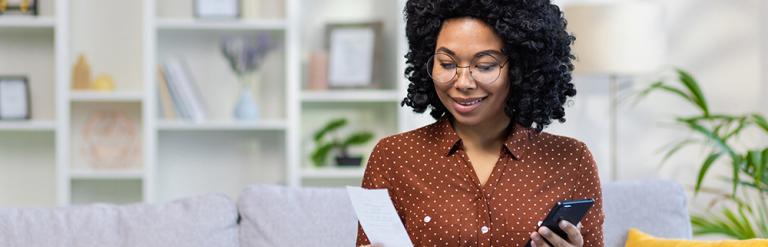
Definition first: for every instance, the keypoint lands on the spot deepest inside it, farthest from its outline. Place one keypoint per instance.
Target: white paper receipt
(378, 217)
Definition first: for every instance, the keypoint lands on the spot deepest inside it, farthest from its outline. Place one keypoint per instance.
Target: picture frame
(15, 103)
(353, 52)
(217, 9)
(19, 7)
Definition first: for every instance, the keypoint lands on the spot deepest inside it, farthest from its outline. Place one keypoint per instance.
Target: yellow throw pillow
(636, 238)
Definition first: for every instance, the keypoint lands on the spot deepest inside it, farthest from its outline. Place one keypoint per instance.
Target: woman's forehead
(466, 37)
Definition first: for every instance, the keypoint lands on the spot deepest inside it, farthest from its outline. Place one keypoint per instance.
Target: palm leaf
(674, 149)
(761, 167)
(669, 89)
(741, 124)
(703, 226)
(760, 121)
(704, 168)
(713, 117)
(696, 95)
(719, 142)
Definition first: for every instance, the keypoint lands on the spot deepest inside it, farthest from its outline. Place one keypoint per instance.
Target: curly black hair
(535, 40)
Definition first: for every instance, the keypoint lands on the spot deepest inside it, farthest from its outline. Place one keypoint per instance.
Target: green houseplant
(744, 213)
(324, 145)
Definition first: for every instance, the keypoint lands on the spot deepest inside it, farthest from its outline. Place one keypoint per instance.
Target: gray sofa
(282, 216)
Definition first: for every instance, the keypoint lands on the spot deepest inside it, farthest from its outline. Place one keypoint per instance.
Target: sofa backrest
(284, 216)
(281, 216)
(202, 221)
(656, 207)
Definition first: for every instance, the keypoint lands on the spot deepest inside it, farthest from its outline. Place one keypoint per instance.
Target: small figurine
(81, 75)
(103, 82)
(24, 6)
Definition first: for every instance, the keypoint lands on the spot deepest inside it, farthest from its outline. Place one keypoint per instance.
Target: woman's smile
(466, 105)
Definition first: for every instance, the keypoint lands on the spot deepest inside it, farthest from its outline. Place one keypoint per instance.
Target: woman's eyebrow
(481, 53)
(446, 50)
(489, 52)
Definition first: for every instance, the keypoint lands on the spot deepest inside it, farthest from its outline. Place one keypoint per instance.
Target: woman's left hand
(574, 236)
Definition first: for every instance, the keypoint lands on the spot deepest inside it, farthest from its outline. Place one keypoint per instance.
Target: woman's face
(477, 98)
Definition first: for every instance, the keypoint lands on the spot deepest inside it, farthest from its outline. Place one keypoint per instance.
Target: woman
(493, 73)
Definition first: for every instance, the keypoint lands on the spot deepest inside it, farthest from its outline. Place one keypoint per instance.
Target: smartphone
(572, 211)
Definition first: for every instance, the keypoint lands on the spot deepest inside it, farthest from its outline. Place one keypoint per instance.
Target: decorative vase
(246, 107)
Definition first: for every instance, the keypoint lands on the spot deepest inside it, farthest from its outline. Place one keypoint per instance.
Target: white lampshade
(622, 38)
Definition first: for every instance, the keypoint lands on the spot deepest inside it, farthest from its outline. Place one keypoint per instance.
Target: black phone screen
(572, 211)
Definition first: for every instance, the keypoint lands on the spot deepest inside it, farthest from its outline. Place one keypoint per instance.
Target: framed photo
(217, 9)
(18, 7)
(352, 53)
(14, 98)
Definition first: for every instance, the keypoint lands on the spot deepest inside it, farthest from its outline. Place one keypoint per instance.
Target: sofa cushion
(656, 207)
(209, 220)
(284, 216)
(640, 239)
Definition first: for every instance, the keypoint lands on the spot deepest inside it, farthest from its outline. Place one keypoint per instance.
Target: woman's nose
(464, 80)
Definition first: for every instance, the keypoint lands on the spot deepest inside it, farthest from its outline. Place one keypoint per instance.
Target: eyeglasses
(484, 69)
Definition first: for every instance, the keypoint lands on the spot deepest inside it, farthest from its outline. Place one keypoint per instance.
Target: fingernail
(544, 230)
(563, 224)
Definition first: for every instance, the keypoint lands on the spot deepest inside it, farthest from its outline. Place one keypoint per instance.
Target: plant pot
(349, 161)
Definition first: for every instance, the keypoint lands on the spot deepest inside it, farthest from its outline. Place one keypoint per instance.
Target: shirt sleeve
(589, 187)
(373, 178)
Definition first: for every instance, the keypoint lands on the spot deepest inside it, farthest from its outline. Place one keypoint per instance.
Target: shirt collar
(516, 142)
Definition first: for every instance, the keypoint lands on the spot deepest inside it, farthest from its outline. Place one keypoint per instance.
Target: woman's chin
(472, 120)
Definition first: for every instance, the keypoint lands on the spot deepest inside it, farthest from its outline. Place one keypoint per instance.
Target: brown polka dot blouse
(441, 201)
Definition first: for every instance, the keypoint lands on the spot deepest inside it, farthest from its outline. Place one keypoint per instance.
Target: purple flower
(246, 55)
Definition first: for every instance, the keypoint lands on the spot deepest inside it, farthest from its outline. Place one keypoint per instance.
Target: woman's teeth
(469, 103)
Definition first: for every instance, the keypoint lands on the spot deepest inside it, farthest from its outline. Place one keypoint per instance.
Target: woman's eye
(486, 67)
(448, 65)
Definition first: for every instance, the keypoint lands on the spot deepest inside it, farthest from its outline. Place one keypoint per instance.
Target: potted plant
(744, 213)
(324, 145)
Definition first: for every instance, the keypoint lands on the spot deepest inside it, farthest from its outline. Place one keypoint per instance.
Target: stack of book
(180, 97)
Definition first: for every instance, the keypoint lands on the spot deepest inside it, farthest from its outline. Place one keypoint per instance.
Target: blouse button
(484, 229)
(427, 219)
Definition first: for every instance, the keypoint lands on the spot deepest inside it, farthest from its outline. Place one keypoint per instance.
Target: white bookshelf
(332, 173)
(106, 175)
(193, 24)
(28, 22)
(179, 158)
(276, 125)
(351, 96)
(93, 96)
(28, 126)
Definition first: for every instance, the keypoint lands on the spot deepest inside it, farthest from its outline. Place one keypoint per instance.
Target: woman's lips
(467, 105)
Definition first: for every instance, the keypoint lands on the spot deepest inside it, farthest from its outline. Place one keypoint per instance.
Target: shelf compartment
(106, 191)
(193, 163)
(107, 136)
(28, 165)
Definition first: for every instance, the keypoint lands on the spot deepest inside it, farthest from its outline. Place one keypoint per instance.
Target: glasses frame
(431, 60)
